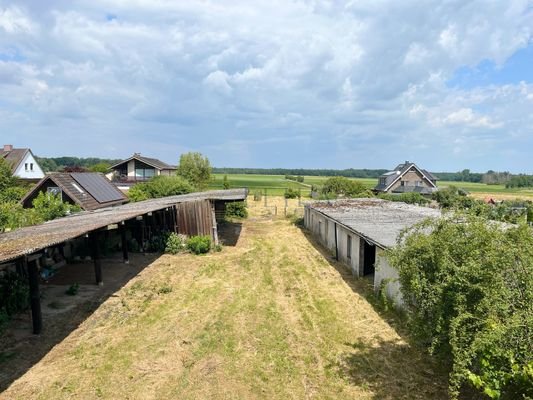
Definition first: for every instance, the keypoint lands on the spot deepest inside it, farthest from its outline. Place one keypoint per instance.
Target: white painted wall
(131, 169)
(314, 220)
(29, 173)
(384, 272)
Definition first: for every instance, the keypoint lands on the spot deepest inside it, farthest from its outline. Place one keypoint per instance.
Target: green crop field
(277, 184)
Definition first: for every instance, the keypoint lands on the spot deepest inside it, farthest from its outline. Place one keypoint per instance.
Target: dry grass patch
(268, 319)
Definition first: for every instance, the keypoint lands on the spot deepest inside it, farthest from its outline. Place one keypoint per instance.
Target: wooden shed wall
(196, 218)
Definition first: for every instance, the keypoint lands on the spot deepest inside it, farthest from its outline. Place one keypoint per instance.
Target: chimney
(8, 147)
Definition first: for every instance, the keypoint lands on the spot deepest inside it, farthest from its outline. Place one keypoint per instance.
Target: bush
(236, 209)
(341, 186)
(176, 243)
(14, 294)
(409, 198)
(199, 244)
(468, 287)
(49, 206)
(258, 195)
(159, 186)
(291, 193)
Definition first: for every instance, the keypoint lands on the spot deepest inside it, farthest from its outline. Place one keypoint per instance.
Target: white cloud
(364, 74)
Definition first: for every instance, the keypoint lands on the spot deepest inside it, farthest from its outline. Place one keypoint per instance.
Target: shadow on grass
(62, 314)
(387, 368)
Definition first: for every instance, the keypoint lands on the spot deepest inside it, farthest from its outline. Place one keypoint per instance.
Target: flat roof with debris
(377, 220)
(30, 239)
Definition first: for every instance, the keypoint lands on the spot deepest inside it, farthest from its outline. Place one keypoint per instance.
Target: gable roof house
(138, 168)
(89, 190)
(407, 178)
(23, 163)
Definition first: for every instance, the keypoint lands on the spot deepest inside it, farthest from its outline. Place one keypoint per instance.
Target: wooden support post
(124, 242)
(35, 296)
(215, 227)
(95, 254)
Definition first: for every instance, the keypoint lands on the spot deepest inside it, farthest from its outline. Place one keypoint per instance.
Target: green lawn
(276, 184)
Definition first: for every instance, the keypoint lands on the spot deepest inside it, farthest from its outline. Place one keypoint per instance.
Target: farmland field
(271, 317)
(276, 185)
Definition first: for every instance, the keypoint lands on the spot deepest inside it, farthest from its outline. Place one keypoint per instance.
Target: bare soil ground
(272, 317)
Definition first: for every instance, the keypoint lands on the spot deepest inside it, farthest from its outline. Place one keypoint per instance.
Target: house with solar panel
(407, 178)
(23, 163)
(89, 190)
(138, 168)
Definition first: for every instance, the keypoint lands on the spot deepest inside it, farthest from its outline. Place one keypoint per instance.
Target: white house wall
(22, 172)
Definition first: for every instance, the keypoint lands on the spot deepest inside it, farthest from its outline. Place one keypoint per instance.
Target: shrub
(258, 195)
(49, 206)
(236, 209)
(468, 287)
(409, 198)
(14, 293)
(341, 186)
(291, 193)
(159, 186)
(199, 244)
(225, 183)
(176, 243)
(158, 243)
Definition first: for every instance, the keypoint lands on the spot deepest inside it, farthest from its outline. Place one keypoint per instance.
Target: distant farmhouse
(138, 169)
(89, 190)
(23, 163)
(407, 178)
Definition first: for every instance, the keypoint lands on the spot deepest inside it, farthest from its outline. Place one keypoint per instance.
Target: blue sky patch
(518, 68)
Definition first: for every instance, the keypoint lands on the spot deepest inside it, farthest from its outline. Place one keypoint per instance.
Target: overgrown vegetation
(199, 244)
(468, 287)
(343, 187)
(507, 211)
(196, 169)
(14, 296)
(236, 209)
(159, 186)
(12, 215)
(409, 198)
(298, 178)
(176, 243)
(291, 193)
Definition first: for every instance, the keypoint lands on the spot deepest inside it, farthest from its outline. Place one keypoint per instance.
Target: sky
(310, 83)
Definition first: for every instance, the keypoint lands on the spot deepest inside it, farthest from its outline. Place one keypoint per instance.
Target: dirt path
(270, 318)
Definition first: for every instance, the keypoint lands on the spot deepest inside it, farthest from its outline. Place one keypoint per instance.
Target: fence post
(265, 197)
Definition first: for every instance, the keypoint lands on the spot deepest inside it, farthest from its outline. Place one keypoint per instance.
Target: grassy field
(272, 317)
(276, 185)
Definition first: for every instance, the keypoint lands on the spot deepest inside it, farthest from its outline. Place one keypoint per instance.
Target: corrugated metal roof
(378, 220)
(34, 238)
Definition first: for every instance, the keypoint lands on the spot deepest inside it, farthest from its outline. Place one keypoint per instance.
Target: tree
(225, 182)
(7, 180)
(341, 186)
(102, 167)
(195, 168)
(160, 186)
(468, 287)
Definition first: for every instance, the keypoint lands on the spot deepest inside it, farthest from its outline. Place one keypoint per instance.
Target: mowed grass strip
(271, 318)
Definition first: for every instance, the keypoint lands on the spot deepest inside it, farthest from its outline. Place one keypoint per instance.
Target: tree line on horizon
(95, 164)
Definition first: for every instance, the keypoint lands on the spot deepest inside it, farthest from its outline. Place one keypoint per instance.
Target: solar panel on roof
(98, 186)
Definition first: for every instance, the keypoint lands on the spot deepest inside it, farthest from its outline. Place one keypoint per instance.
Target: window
(54, 190)
(144, 173)
(31, 166)
(349, 247)
(26, 166)
(402, 183)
